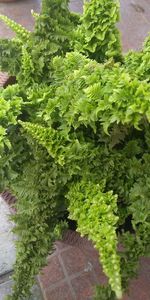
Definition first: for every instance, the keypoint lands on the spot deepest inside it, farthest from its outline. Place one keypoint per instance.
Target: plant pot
(5, 79)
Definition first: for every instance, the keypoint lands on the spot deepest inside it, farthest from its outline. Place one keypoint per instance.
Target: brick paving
(73, 270)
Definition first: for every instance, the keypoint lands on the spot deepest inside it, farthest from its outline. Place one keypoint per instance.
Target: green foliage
(10, 56)
(10, 108)
(88, 206)
(104, 292)
(138, 63)
(22, 33)
(37, 219)
(52, 36)
(74, 138)
(97, 36)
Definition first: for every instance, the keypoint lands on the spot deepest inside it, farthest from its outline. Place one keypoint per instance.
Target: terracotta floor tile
(62, 246)
(145, 267)
(74, 260)
(83, 286)
(60, 293)
(72, 238)
(92, 257)
(52, 273)
(100, 276)
(126, 297)
(139, 290)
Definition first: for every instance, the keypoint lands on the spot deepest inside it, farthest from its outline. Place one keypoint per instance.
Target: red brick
(60, 245)
(93, 257)
(74, 260)
(60, 293)
(84, 286)
(145, 267)
(139, 290)
(90, 251)
(126, 297)
(52, 273)
(101, 277)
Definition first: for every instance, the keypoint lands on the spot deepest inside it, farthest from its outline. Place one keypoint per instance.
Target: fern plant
(74, 137)
(98, 36)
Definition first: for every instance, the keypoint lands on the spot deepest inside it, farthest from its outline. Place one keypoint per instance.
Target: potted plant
(75, 137)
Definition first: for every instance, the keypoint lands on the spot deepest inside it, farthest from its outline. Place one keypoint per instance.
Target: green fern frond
(10, 58)
(47, 137)
(21, 32)
(27, 69)
(95, 213)
(34, 14)
(48, 4)
(98, 35)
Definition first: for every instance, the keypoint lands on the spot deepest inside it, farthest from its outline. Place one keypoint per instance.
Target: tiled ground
(73, 270)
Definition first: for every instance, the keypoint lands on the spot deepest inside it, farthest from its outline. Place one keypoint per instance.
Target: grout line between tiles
(67, 276)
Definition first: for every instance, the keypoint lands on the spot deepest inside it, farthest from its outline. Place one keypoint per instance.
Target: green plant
(90, 205)
(97, 36)
(75, 138)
